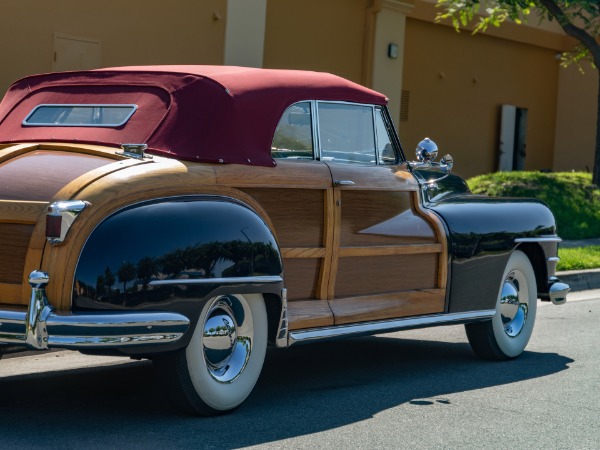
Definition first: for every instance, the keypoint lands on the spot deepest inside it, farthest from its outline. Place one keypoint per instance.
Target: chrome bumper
(557, 291)
(41, 328)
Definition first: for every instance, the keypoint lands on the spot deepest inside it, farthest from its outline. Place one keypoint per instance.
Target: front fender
(171, 254)
(483, 233)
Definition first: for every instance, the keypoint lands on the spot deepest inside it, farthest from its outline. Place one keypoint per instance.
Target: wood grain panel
(382, 218)
(394, 178)
(309, 314)
(79, 183)
(411, 249)
(11, 151)
(21, 211)
(401, 304)
(39, 174)
(301, 277)
(385, 274)
(287, 174)
(335, 254)
(303, 252)
(296, 214)
(330, 243)
(441, 237)
(10, 293)
(14, 239)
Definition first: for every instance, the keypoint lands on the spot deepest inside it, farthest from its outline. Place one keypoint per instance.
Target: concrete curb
(580, 280)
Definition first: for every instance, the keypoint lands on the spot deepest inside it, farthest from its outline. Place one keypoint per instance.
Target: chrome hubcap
(514, 303)
(227, 338)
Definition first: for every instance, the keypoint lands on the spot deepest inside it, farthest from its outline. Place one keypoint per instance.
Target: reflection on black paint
(172, 240)
(239, 258)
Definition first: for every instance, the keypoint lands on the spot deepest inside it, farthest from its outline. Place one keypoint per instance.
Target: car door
(389, 256)
(297, 198)
(356, 245)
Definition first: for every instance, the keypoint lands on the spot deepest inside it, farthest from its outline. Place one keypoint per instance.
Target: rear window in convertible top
(86, 115)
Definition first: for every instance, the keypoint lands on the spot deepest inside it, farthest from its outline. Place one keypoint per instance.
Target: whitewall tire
(506, 335)
(218, 369)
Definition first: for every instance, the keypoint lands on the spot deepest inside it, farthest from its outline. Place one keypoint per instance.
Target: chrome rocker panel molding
(386, 326)
(40, 328)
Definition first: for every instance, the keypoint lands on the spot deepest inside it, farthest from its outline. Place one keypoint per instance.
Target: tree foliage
(579, 19)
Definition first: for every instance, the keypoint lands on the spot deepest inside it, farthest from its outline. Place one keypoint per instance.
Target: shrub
(571, 196)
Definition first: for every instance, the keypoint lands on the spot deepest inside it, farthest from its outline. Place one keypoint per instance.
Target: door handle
(343, 183)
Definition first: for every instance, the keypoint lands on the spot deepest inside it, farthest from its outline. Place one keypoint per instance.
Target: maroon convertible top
(196, 113)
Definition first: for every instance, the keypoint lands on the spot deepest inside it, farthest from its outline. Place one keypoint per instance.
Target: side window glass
(293, 136)
(385, 150)
(346, 133)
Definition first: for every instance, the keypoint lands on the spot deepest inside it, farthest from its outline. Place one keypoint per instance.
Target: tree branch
(572, 30)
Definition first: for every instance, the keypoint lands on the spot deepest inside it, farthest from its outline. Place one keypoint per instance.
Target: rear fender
(174, 253)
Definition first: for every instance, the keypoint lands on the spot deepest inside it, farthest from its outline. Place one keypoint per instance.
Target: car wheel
(220, 366)
(506, 335)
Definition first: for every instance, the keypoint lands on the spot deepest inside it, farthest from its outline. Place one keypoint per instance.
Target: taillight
(53, 226)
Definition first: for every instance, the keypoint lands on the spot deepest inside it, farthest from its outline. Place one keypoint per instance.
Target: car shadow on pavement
(302, 390)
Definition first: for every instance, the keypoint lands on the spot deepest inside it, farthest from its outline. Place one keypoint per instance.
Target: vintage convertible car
(194, 215)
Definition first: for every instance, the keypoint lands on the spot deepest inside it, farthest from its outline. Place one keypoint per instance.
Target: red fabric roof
(197, 113)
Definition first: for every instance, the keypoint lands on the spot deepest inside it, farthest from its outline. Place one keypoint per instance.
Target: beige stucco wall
(318, 35)
(457, 83)
(131, 32)
(576, 119)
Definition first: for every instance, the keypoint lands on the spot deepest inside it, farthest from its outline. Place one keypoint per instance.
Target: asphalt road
(415, 389)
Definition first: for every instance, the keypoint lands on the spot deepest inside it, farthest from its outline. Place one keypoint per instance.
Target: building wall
(130, 32)
(318, 35)
(457, 84)
(575, 139)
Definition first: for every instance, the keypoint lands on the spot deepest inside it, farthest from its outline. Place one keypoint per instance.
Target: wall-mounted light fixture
(393, 51)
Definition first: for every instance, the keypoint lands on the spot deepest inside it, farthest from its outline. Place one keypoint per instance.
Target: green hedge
(573, 199)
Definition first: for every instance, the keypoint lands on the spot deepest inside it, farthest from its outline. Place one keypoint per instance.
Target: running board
(386, 326)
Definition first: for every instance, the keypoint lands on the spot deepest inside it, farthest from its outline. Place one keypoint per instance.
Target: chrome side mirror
(427, 151)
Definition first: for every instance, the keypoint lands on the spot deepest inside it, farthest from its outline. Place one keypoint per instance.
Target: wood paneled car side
(194, 215)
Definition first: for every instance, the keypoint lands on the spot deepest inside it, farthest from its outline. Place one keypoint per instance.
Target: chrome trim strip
(232, 280)
(386, 326)
(282, 330)
(539, 239)
(553, 259)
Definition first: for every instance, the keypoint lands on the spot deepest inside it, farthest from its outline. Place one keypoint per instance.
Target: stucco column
(384, 55)
(245, 32)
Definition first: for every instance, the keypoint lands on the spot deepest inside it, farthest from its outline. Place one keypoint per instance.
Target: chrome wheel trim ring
(514, 303)
(227, 336)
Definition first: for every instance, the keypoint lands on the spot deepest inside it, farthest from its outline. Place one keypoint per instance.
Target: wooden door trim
(390, 250)
(386, 306)
(19, 211)
(440, 231)
(10, 292)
